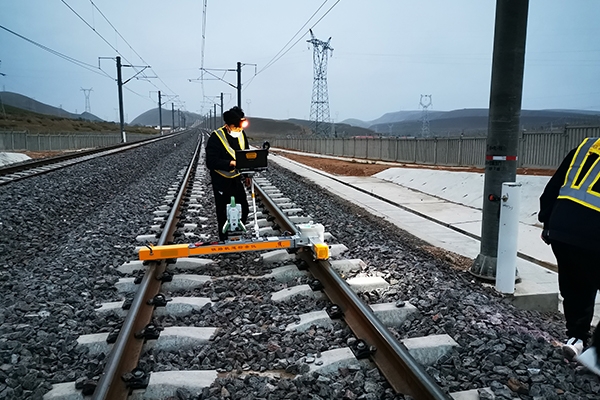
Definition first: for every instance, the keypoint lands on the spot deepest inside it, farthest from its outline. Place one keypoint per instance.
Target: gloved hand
(546, 236)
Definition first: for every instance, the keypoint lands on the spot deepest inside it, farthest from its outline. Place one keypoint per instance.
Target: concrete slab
(164, 385)
(367, 283)
(387, 313)
(179, 282)
(390, 315)
(427, 350)
(288, 294)
(287, 273)
(317, 318)
(146, 239)
(346, 266)
(178, 306)
(275, 256)
(64, 391)
(192, 263)
(337, 249)
(474, 394)
(175, 338)
(332, 360)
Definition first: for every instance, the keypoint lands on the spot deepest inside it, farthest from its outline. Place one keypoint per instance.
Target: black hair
(233, 116)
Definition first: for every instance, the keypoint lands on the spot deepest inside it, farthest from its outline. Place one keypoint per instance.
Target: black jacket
(217, 156)
(566, 220)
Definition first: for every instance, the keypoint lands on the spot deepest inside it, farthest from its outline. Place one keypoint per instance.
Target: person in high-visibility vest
(570, 212)
(220, 160)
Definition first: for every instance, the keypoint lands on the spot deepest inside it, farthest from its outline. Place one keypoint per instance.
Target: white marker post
(508, 233)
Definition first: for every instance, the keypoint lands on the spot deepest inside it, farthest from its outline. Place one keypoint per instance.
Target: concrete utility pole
(222, 122)
(172, 117)
(239, 84)
(238, 71)
(159, 113)
(120, 84)
(503, 127)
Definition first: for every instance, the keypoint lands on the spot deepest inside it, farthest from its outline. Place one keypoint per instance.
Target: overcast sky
(387, 53)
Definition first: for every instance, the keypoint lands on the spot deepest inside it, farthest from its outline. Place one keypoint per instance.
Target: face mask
(235, 134)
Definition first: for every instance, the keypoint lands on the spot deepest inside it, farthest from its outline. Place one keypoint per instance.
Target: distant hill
(18, 119)
(151, 118)
(268, 129)
(265, 129)
(29, 104)
(471, 122)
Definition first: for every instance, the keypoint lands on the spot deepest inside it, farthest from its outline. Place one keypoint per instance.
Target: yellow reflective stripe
(589, 151)
(221, 135)
(227, 174)
(583, 203)
(587, 174)
(596, 147)
(573, 163)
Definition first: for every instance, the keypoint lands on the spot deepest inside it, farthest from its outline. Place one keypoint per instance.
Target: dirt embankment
(359, 168)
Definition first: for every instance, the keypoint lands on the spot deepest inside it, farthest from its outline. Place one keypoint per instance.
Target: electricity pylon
(425, 102)
(319, 106)
(86, 93)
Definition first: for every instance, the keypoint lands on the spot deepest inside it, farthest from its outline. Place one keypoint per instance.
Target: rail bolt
(136, 379)
(361, 349)
(160, 300)
(316, 285)
(334, 311)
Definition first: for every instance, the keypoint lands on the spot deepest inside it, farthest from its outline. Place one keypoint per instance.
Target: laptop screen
(251, 160)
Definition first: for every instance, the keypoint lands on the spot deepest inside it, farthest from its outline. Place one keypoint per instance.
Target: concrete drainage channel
(163, 384)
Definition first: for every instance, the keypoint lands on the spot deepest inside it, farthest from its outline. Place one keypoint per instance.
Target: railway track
(253, 326)
(23, 170)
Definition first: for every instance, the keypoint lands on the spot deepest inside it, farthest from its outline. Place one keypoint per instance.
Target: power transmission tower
(425, 102)
(86, 93)
(319, 106)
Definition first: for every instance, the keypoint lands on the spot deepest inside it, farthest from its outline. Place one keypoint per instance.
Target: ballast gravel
(63, 234)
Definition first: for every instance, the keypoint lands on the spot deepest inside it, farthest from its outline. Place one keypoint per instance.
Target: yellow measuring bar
(187, 250)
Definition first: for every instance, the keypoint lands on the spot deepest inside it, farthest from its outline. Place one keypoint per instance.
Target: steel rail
(392, 358)
(126, 351)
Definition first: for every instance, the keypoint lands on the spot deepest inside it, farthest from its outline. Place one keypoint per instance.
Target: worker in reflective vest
(220, 160)
(570, 212)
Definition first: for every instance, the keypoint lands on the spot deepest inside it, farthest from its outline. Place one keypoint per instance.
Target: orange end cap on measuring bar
(164, 252)
(321, 251)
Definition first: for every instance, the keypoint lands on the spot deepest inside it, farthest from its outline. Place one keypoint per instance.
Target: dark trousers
(223, 191)
(578, 281)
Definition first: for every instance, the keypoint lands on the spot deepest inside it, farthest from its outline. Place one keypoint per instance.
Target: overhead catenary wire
(75, 61)
(131, 47)
(111, 46)
(268, 64)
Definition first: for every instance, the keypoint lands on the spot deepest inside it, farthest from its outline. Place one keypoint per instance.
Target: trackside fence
(536, 149)
(26, 141)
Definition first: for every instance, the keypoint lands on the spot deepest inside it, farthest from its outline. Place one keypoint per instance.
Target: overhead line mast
(319, 106)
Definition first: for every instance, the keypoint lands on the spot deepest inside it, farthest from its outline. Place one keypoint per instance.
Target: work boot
(589, 359)
(572, 349)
